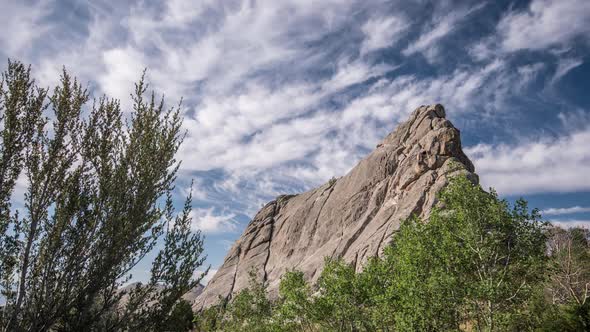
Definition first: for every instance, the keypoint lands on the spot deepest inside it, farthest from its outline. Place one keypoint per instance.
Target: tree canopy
(98, 184)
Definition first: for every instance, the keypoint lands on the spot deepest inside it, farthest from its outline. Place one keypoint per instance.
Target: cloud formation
(569, 210)
(280, 96)
(207, 221)
(572, 223)
(441, 26)
(545, 23)
(383, 32)
(544, 165)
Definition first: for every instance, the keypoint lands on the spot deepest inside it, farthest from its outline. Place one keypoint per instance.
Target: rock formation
(352, 217)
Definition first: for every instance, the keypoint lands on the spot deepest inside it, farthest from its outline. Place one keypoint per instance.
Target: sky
(280, 96)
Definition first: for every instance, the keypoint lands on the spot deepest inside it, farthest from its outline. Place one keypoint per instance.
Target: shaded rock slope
(353, 217)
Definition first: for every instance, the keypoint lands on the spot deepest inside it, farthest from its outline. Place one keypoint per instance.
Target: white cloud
(561, 211)
(440, 27)
(544, 24)
(544, 165)
(573, 223)
(383, 32)
(574, 120)
(353, 72)
(564, 65)
(249, 124)
(123, 69)
(207, 277)
(22, 25)
(225, 44)
(207, 221)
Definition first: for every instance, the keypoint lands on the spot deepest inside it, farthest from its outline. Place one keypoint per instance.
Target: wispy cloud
(439, 27)
(207, 277)
(545, 23)
(383, 32)
(572, 223)
(564, 65)
(22, 25)
(207, 221)
(568, 210)
(545, 165)
(540, 26)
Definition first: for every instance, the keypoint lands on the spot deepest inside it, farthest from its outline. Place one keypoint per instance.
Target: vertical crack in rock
(358, 215)
(272, 226)
(315, 223)
(231, 290)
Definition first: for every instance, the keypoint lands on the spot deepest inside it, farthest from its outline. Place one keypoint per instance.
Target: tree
(210, 319)
(341, 303)
(475, 263)
(180, 318)
(98, 199)
(294, 308)
(250, 309)
(21, 108)
(569, 278)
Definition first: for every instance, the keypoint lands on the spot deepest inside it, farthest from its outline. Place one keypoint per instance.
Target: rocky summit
(353, 217)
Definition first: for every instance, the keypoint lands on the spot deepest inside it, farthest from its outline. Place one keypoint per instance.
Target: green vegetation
(97, 198)
(476, 265)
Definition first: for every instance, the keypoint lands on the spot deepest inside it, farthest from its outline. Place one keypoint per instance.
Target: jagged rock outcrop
(353, 217)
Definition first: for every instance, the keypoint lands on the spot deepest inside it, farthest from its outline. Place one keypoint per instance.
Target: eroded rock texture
(353, 217)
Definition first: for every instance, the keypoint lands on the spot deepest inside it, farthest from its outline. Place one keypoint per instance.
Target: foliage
(568, 285)
(180, 318)
(293, 310)
(477, 265)
(249, 310)
(332, 181)
(98, 197)
(341, 304)
(210, 319)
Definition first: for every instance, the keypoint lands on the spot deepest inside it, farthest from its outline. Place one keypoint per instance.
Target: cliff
(353, 217)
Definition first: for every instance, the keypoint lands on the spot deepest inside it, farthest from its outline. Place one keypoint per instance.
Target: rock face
(192, 294)
(352, 217)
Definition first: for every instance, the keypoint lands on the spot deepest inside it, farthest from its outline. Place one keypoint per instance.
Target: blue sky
(279, 96)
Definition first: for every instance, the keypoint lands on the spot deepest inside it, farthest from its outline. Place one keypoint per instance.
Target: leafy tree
(250, 309)
(377, 282)
(473, 265)
(180, 318)
(98, 198)
(568, 288)
(341, 304)
(210, 319)
(294, 308)
(21, 109)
